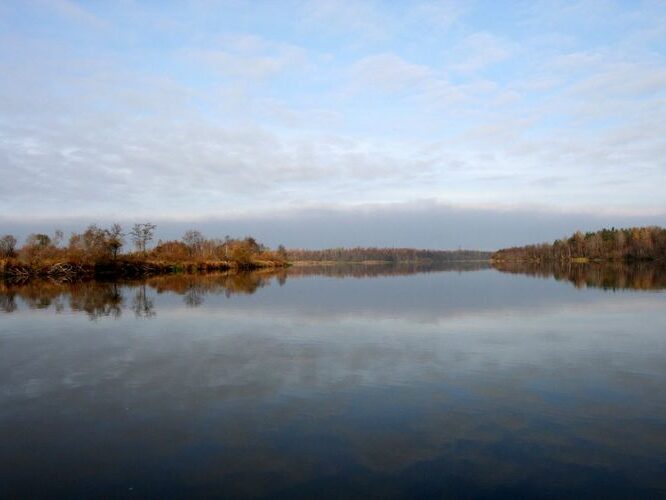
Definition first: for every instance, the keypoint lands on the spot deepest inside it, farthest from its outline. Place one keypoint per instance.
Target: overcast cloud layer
(295, 111)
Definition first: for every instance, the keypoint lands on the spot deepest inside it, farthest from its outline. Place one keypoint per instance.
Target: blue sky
(234, 110)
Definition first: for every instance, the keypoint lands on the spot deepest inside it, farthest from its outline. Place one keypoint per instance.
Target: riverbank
(634, 244)
(417, 262)
(575, 260)
(125, 268)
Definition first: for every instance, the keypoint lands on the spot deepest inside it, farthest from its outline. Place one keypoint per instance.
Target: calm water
(347, 383)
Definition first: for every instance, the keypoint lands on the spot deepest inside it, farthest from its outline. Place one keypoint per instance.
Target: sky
(435, 124)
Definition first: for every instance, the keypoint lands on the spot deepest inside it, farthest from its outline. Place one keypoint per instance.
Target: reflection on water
(359, 270)
(306, 383)
(100, 298)
(609, 276)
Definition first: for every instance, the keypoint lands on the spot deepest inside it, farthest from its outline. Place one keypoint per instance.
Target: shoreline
(126, 268)
(578, 260)
(313, 263)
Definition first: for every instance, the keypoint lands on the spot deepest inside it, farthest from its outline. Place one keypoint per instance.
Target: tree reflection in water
(8, 302)
(142, 305)
(107, 299)
(606, 275)
(96, 299)
(100, 299)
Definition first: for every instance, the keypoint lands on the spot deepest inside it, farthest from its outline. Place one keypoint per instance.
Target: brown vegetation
(97, 251)
(99, 298)
(614, 275)
(636, 243)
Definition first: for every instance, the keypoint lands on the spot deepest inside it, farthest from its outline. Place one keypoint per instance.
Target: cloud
(74, 12)
(623, 80)
(423, 224)
(248, 56)
(575, 61)
(360, 18)
(442, 13)
(388, 72)
(480, 50)
(252, 113)
(425, 86)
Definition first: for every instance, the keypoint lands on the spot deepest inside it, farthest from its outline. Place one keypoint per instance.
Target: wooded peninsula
(632, 244)
(98, 252)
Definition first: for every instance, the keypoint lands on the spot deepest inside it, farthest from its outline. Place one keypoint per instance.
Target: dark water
(337, 382)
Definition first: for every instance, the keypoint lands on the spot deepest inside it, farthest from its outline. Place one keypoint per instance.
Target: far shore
(312, 263)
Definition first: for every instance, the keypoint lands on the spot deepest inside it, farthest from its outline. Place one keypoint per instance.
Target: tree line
(98, 244)
(635, 243)
(394, 255)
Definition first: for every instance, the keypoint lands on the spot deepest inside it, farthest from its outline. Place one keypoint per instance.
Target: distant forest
(402, 255)
(636, 243)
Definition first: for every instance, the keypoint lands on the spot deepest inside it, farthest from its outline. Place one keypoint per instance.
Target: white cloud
(388, 72)
(360, 18)
(74, 12)
(440, 13)
(480, 50)
(244, 122)
(575, 61)
(427, 87)
(248, 56)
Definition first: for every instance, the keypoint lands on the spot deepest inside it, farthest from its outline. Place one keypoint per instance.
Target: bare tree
(194, 241)
(142, 234)
(282, 252)
(7, 246)
(40, 240)
(116, 239)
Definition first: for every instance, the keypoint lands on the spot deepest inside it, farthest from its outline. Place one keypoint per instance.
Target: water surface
(337, 382)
